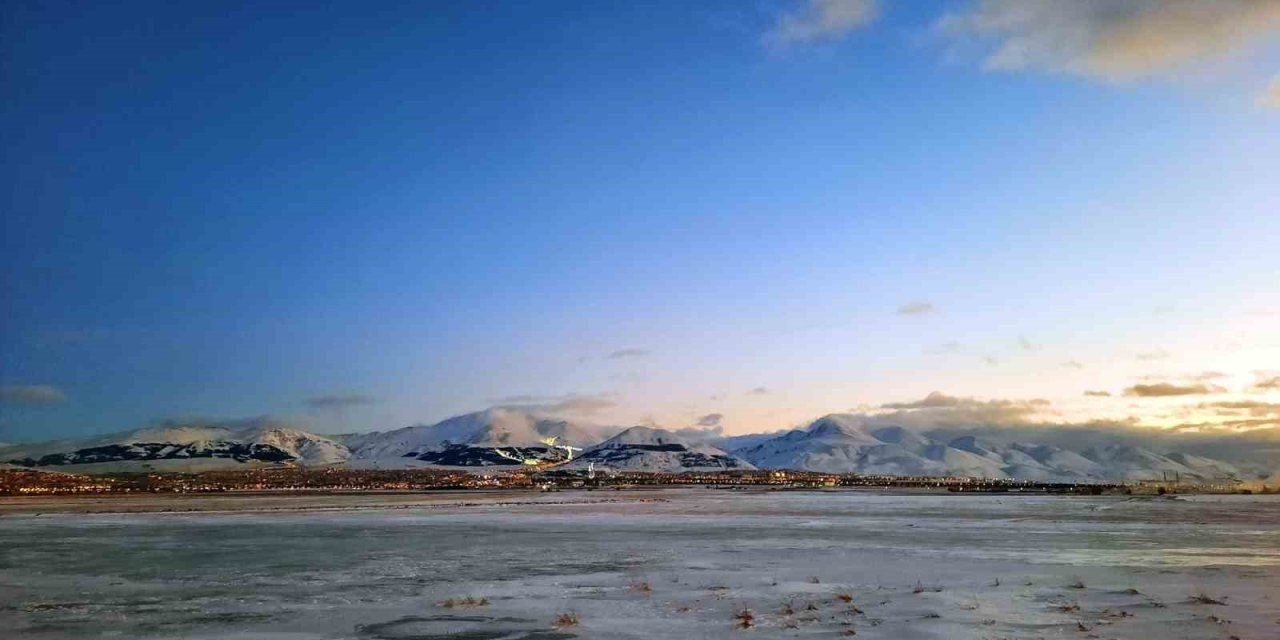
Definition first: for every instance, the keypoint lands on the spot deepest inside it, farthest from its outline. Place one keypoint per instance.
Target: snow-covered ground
(681, 563)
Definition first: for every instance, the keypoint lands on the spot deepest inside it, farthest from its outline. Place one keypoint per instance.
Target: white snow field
(679, 563)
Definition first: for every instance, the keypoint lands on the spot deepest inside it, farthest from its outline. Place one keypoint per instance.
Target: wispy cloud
(916, 309)
(572, 403)
(582, 404)
(1098, 394)
(1203, 376)
(1028, 345)
(1251, 407)
(31, 395)
(758, 391)
(1072, 364)
(1271, 383)
(710, 420)
(819, 20)
(627, 353)
(336, 402)
(1112, 40)
(1154, 354)
(934, 400)
(706, 427)
(1166, 389)
(941, 410)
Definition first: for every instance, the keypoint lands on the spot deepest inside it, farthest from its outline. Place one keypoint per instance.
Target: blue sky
(364, 216)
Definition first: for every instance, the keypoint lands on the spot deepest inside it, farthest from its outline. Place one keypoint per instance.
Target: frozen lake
(680, 563)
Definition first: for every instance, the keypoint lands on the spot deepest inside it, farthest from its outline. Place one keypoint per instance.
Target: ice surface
(679, 563)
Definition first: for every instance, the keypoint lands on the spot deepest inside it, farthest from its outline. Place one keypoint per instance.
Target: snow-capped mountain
(474, 439)
(849, 444)
(733, 443)
(651, 449)
(504, 437)
(209, 445)
(839, 443)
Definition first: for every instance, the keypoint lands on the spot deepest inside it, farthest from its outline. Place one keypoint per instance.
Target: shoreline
(375, 500)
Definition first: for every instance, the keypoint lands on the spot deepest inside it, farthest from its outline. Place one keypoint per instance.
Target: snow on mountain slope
(228, 445)
(1207, 467)
(842, 443)
(421, 437)
(1030, 461)
(488, 429)
(658, 450)
(307, 448)
(847, 444)
(733, 443)
(838, 443)
(1062, 461)
(1135, 463)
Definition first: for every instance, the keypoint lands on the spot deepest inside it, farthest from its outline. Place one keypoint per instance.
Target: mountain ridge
(505, 437)
(846, 443)
(643, 448)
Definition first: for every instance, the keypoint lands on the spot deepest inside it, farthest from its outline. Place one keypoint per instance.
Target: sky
(728, 215)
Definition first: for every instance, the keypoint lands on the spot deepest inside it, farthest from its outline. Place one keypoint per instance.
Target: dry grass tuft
(567, 619)
(641, 586)
(1202, 598)
(745, 619)
(844, 597)
(1078, 584)
(469, 601)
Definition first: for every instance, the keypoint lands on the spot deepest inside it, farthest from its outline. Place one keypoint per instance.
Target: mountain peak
(644, 448)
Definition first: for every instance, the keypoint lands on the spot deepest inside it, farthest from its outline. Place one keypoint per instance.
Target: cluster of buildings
(21, 482)
(341, 479)
(285, 479)
(818, 480)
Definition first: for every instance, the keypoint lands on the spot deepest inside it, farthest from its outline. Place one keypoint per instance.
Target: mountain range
(657, 450)
(510, 438)
(844, 443)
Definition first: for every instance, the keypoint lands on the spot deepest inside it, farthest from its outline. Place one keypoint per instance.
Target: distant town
(26, 482)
